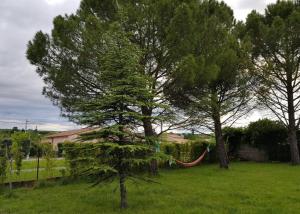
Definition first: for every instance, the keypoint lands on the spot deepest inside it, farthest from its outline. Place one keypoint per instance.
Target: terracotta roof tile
(72, 132)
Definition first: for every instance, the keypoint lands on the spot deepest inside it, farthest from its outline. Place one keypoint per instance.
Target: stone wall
(246, 152)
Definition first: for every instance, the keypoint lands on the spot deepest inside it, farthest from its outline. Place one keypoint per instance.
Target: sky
(21, 96)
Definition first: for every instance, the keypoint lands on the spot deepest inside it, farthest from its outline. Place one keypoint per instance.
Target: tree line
(126, 65)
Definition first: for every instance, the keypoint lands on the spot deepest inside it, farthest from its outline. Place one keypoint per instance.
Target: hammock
(195, 162)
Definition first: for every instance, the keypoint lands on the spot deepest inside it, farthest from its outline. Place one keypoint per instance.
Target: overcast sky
(20, 86)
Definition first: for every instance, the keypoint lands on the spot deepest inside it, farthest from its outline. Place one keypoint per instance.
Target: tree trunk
(292, 140)
(123, 192)
(292, 137)
(221, 150)
(149, 133)
(147, 124)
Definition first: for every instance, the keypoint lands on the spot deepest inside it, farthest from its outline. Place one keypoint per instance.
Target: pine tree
(275, 38)
(147, 21)
(98, 82)
(211, 80)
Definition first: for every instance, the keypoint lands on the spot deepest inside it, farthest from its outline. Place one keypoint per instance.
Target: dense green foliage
(103, 87)
(14, 146)
(80, 157)
(211, 80)
(19, 144)
(188, 152)
(3, 164)
(267, 135)
(266, 132)
(234, 138)
(126, 65)
(3, 157)
(249, 188)
(48, 155)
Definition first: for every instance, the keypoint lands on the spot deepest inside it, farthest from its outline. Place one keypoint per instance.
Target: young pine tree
(104, 88)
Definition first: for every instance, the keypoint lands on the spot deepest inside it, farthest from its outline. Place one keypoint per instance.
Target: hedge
(189, 151)
(80, 157)
(267, 135)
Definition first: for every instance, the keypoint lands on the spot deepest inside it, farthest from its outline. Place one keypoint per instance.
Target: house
(174, 138)
(73, 136)
(67, 136)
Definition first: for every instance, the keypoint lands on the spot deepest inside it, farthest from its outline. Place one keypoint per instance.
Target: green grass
(31, 164)
(28, 176)
(31, 175)
(245, 188)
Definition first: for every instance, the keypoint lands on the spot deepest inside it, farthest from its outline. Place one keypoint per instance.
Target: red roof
(72, 132)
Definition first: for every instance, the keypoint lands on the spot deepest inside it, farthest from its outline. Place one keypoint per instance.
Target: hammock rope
(195, 162)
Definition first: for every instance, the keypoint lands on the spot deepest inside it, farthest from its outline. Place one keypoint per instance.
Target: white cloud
(242, 8)
(56, 127)
(42, 126)
(54, 2)
(20, 86)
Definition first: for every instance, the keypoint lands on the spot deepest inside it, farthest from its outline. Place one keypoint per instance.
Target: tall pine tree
(211, 79)
(92, 71)
(275, 38)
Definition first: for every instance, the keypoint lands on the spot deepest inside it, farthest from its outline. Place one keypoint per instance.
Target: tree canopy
(114, 94)
(275, 38)
(212, 77)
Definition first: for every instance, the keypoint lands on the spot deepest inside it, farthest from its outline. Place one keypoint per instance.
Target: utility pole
(26, 123)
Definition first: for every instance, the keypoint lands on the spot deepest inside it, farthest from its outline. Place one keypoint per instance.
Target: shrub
(60, 149)
(265, 134)
(48, 154)
(234, 137)
(3, 166)
(3, 161)
(271, 136)
(80, 157)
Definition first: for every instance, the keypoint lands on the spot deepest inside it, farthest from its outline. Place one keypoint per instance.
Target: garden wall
(249, 153)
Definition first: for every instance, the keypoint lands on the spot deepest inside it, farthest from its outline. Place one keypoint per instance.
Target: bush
(48, 154)
(271, 136)
(60, 149)
(80, 156)
(265, 134)
(234, 137)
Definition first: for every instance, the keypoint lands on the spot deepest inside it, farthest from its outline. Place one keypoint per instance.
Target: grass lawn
(28, 171)
(31, 175)
(31, 164)
(245, 188)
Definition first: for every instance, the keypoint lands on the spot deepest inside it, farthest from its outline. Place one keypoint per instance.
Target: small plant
(63, 172)
(18, 138)
(3, 167)
(3, 161)
(48, 156)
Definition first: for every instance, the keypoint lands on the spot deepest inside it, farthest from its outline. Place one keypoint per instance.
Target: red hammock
(195, 162)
